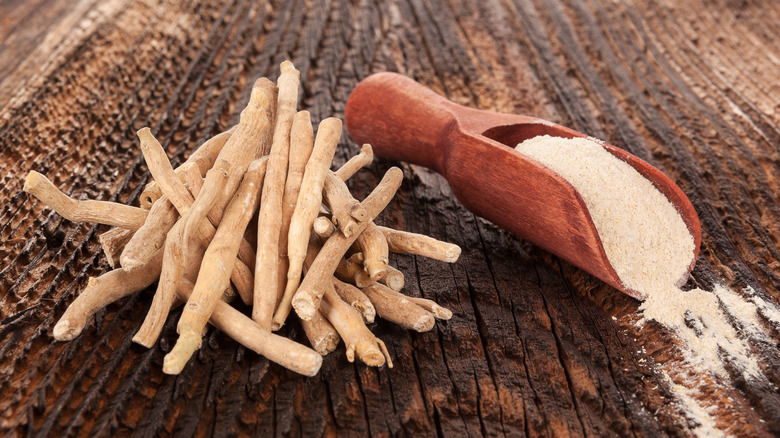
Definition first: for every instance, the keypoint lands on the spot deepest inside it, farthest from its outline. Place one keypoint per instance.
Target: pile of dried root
(190, 236)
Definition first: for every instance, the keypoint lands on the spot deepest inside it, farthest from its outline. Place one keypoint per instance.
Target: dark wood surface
(536, 346)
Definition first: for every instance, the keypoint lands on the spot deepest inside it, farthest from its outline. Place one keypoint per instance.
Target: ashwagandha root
(359, 161)
(151, 236)
(306, 299)
(355, 298)
(351, 271)
(180, 197)
(323, 227)
(306, 208)
(214, 273)
(235, 156)
(346, 210)
(322, 336)
(102, 291)
(285, 352)
(438, 311)
(190, 237)
(373, 245)
(203, 158)
(113, 243)
(173, 270)
(357, 337)
(418, 244)
(270, 218)
(301, 145)
(394, 279)
(102, 212)
(398, 308)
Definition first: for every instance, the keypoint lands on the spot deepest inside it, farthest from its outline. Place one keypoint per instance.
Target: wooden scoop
(474, 150)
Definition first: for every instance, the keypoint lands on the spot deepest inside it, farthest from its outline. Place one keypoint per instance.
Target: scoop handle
(401, 119)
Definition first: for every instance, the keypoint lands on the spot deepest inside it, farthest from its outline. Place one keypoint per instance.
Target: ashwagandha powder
(644, 237)
(650, 248)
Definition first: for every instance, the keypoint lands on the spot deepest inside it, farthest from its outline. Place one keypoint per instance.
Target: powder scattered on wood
(650, 248)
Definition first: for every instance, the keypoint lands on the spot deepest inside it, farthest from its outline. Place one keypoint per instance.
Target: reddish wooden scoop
(474, 150)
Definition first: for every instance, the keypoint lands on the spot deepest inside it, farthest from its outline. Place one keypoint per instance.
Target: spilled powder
(650, 248)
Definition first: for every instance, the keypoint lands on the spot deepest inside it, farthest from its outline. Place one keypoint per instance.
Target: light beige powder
(650, 248)
(644, 237)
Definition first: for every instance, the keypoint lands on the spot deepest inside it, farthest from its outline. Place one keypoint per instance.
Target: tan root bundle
(318, 249)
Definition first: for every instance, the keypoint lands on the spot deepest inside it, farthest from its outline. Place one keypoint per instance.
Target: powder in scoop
(650, 248)
(644, 237)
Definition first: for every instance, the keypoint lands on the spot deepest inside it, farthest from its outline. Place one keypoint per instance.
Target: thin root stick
(270, 218)
(438, 311)
(285, 352)
(301, 144)
(357, 337)
(203, 158)
(398, 308)
(357, 299)
(306, 299)
(418, 244)
(213, 276)
(102, 212)
(113, 243)
(359, 161)
(173, 267)
(102, 291)
(373, 245)
(346, 210)
(306, 208)
(322, 336)
(394, 279)
(234, 158)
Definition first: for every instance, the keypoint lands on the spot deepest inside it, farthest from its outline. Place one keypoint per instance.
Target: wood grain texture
(532, 348)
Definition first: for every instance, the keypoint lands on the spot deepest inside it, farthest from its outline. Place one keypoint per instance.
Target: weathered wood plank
(536, 347)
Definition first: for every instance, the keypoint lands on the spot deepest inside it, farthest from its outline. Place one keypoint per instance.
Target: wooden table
(536, 346)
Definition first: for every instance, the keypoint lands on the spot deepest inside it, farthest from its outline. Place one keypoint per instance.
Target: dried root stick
(102, 212)
(373, 245)
(113, 243)
(396, 307)
(438, 311)
(235, 156)
(159, 220)
(351, 271)
(323, 227)
(306, 208)
(278, 349)
(306, 300)
(322, 336)
(203, 158)
(355, 298)
(359, 161)
(270, 218)
(213, 277)
(394, 279)
(175, 267)
(301, 143)
(177, 193)
(418, 244)
(346, 210)
(151, 236)
(102, 291)
(357, 337)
